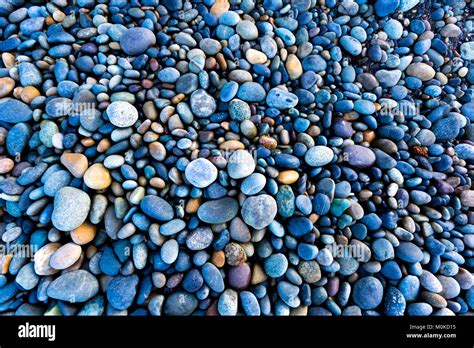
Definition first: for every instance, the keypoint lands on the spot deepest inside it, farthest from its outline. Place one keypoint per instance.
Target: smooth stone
(240, 164)
(76, 163)
(239, 110)
(239, 231)
(467, 50)
(421, 70)
(249, 303)
(202, 104)
(289, 293)
(314, 63)
(200, 238)
(168, 75)
(430, 282)
(253, 184)
(97, 177)
(122, 290)
(251, 92)
(74, 286)
(65, 256)
(71, 207)
(169, 251)
(201, 172)
(180, 303)
(383, 249)
(247, 30)
(281, 99)
(6, 86)
(239, 276)
(84, 233)
(394, 302)
(318, 156)
(218, 211)
(275, 265)
(135, 41)
(42, 257)
(14, 111)
(409, 252)
(368, 293)
(259, 211)
(122, 114)
(294, 67)
(228, 303)
(385, 7)
(359, 156)
(309, 271)
(388, 78)
(157, 208)
(29, 75)
(26, 278)
(451, 288)
(351, 45)
(213, 277)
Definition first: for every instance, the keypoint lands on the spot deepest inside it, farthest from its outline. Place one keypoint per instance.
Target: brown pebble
(6, 165)
(234, 253)
(97, 177)
(219, 7)
(218, 259)
(5, 263)
(84, 233)
(104, 145)
(230, 145)
(268, 142)
(6, 86)
(29, 93)
(192, 205)
(258, 275)
(76, 163)
(288, 177)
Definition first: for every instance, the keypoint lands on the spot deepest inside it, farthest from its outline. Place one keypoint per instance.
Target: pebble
(65, 256)
(218, 157)
(201, 173)
(276, 265)
(202, 104)
(75, 286)
(135, 41)
(241, 164)
(14, 111)
(76, 163)
(6, 86)
(228, 303)
(180, 303)
(122, 114)
(218, 211)
(368, 292)
(421, 70)
(280, 99)
(259, 211)
(359, 156)
(122, 290)
(200, 238)
(213, 277)
(157, 208)
(318, 156)
(71, 207)
(97, 177)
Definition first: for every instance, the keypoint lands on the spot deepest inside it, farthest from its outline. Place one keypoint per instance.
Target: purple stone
(239, 276)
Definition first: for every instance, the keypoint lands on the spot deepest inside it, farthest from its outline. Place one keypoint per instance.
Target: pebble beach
(237, 157)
